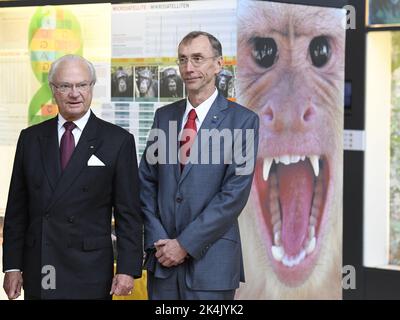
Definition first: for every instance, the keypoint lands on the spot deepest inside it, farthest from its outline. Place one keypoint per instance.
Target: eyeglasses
(196, 61)
(65, 88)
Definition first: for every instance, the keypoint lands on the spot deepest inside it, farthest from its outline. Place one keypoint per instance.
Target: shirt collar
(80, 123)
(202, 109)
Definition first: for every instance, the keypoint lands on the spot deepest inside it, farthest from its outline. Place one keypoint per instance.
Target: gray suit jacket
(200, 205)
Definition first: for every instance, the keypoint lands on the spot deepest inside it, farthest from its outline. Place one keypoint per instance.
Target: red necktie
(189, 133)
(67, 144)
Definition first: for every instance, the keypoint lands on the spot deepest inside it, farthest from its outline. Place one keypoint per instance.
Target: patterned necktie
(189, 132)
(67, 144)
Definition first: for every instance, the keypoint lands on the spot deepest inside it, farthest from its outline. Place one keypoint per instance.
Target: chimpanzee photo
(146, 83)
(122, 84)
(225, 83)
(171, 85)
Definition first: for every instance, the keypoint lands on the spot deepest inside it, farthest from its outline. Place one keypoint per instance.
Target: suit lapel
(177, 116)
(214, 117)
(87, 145)
(49, 148)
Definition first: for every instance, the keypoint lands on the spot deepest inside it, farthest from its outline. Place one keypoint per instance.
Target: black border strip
(24, 3)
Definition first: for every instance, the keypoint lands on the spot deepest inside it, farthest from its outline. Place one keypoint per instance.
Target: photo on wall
(171, 84)
(225, 82)
(146, 83)
(290, 70)
(121, 83)
(383, 12)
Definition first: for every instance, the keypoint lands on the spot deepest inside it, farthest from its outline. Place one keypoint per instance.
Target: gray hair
(71, 57)
(215, 44)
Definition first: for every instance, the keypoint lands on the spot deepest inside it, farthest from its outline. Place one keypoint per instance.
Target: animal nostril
(308, 114)
(269, 114)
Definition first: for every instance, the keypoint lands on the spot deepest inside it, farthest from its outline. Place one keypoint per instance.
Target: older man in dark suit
(70, 174)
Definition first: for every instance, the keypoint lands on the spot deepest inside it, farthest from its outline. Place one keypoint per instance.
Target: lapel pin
(215, 117)
(91, 147)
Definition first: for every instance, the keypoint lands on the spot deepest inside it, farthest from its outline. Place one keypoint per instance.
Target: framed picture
(383, 12)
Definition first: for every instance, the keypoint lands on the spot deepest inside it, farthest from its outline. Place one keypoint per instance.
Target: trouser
(175, 288)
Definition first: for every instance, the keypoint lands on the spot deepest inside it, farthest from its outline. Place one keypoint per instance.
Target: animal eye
(264, 51)
(320, 51)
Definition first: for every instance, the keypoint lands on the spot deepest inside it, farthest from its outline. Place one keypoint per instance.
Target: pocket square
(95, 162)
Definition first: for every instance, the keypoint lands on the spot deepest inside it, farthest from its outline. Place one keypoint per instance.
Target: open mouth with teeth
(292, 191)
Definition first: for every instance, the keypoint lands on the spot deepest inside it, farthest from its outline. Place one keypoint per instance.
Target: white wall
(377, 151)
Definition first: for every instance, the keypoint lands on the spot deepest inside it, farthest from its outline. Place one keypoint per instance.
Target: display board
(284, 61)
(383, 13)
(291, 72)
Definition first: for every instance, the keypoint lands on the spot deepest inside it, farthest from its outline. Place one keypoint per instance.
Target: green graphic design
(53, 32)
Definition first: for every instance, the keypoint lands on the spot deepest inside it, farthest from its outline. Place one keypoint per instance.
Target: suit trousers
(29, 297)
(175, 288)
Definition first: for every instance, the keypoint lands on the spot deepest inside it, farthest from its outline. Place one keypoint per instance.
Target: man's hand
(122, 285)
(169, 252)
(12, 284)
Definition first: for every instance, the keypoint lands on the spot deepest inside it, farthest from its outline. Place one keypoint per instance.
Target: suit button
(71, 219)
(179, 200)
(85, 189)
(47, 216)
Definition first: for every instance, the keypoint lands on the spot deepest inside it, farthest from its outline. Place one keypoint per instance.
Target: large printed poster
(285, 62)
(144, 73)
(30, 39)
(291, 71)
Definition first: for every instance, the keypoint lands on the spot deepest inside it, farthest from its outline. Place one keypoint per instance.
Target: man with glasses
(191, 206)
(70, 174)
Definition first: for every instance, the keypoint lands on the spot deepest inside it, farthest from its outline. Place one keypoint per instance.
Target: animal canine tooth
(311, 245)
(315, 164)
(311, 232)
(266, 167)
(277, 253)
(277, 238)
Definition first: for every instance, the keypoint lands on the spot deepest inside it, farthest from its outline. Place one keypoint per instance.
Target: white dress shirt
(201, 110)
(77, 132)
